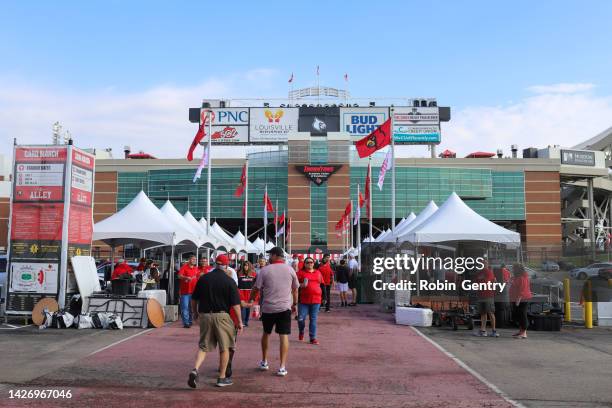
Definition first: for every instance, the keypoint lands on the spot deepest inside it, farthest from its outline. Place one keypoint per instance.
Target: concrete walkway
(364, 360)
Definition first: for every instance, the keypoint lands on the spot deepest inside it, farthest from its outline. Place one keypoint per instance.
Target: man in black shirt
(342, 279)
(214, 295)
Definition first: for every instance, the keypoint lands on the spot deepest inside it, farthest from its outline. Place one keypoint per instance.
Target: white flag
(357, 215)
(203, 163)
(383, 170)
(281, 230)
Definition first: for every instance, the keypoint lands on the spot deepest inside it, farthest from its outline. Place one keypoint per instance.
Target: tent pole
(112, 260)
(171, 277)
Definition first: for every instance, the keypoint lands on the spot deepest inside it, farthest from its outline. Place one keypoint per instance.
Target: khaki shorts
(216, 328)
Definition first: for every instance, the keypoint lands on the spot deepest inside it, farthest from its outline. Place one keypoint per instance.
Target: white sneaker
(281, 372)
(263, 365)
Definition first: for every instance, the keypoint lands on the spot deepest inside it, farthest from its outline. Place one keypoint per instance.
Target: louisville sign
(318, 174)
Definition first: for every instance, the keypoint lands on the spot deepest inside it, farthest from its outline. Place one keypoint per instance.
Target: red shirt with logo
(327, 273)
(484, 276)
(187, 287)
(311, 294)
(519, 288)
(120, 270)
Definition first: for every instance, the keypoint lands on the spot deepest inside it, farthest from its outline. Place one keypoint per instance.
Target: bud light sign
(360, 122)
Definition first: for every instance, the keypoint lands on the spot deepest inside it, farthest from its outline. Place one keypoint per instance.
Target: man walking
(328, 276)
(342, 282)
(486, 301)
(278, 284)
(214, 295)
(188, 276)
(353, 271)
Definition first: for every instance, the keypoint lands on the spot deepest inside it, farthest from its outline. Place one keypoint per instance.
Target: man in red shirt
(188, 275)
(486, 301)
(204, 267)
(328, 276)
(122, 270)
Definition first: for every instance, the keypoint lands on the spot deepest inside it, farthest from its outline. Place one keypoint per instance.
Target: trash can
(120, 287)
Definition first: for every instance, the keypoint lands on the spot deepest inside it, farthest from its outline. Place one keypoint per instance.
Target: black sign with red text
(318, 174)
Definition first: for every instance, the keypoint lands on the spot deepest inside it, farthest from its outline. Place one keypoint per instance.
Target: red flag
(376, 140)
(367, 192)
(240, 188)
(281, 219)
(348, 209)
(340, 224)
(196, 141)
(361, 200)
(268, 203)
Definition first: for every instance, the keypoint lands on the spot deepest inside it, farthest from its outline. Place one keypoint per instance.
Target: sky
(120, 73)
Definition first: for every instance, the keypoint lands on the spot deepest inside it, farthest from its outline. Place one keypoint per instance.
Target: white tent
(429, 209)
(204, 238)
(382, 235)
(239, 238)
(140, 223)
(220, 232)
(224, 244)
(179, 223)
(455, 221)
(369, 239)
(399, 228)
(261, 247)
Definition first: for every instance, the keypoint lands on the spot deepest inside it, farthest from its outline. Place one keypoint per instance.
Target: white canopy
(239, 238)
(204, 238)
(140, 222)
(259, 244)
(369, 239)
(238, 246)
(429, 209)
(269, 245)
(399, 228)
(382, 235)
(180, 225)
(223, 243)
(455, 221)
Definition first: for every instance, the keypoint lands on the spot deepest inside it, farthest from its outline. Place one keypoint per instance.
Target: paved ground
(364, 361)
(571, 368)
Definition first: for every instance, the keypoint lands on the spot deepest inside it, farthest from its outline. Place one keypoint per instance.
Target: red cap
(301, 257)
(222, 260)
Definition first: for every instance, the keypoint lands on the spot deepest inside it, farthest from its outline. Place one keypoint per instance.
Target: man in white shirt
(353, 271)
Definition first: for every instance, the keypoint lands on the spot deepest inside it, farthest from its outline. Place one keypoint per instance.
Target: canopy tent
(269, 245)
(206, 240)
(369, 239)
(179, 223)
(224, 244)
(456, 221)
(399, 228)
(429, 209)
(239, 247)
(239, 238)
(261, 247)
(382, 235)
(140, 223)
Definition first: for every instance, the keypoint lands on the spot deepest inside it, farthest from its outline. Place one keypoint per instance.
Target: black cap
(278, 251)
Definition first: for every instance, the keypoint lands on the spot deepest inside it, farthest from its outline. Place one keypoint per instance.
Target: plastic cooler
(413, 316)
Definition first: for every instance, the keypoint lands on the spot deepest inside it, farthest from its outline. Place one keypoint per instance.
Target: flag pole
(370, 197)
(246, 203)
(208, 172)
(265, 218)
(284, 230)
(392, 174)
(351, 224)
(276, 225)
(290, 234)
(358, 240)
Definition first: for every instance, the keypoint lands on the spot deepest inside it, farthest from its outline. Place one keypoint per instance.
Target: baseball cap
(278, 251)
(222, 260)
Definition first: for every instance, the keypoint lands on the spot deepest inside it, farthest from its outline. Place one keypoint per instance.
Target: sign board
(272, 125)
(360, 122)
(577, 158)
(319, 120)
(51, 210)
(318, 174)
(416, 125)
(228, 126)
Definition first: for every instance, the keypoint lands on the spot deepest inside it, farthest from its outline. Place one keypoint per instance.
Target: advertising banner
(319, 120)
(272, 125)
(416, 125)
(51, 210)
(229, 125)
(318, 174)
(577, 158)
(360, 122)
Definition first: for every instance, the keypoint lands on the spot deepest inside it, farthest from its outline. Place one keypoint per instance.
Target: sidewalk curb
(470, 370)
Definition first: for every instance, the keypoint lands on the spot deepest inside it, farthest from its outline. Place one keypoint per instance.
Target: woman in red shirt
(246, 280)
(310, 299)
(520, 293)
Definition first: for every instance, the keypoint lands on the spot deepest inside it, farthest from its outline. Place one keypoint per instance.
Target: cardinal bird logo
(273, 117)
(318, 125)
(371, 142)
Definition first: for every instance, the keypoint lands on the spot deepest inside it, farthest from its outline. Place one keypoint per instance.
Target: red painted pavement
(364, 360)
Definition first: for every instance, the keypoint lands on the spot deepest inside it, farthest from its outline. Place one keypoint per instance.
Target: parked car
(605, 272)
(550, 266)
(566, 266)
(104, 272)
(589, 271)
(3, 273)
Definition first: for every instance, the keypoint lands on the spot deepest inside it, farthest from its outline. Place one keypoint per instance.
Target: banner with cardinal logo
(375, 141)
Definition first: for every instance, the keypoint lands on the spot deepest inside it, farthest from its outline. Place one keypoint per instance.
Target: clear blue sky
(460, 52)
(465, 53)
